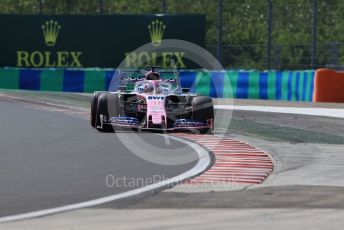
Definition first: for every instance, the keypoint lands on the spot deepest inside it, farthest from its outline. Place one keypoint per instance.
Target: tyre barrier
(270, 85)
(329, 86)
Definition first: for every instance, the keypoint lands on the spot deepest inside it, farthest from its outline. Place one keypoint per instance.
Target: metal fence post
(164, 6)
(268, 51)
(40, 6)
(219, 31)
(101, 6)
(314, 34)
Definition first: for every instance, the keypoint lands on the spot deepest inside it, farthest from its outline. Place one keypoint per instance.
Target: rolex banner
(42, 41)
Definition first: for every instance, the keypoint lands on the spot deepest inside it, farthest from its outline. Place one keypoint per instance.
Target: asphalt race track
(50, 159)
(49, 156)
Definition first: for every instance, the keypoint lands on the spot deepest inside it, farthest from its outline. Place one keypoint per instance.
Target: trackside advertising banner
(78, 41)
(271, 85)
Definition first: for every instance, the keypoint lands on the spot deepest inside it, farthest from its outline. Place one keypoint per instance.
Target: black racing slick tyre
(203, 110)
(107, 106)
(94, 102)
(102, 110)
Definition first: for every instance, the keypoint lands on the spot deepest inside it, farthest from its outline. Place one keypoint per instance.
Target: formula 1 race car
(154, 101)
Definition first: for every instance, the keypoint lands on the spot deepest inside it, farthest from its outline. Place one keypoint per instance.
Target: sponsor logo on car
(155, 98)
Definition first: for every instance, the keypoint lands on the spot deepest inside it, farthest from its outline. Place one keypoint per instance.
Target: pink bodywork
(156, 107)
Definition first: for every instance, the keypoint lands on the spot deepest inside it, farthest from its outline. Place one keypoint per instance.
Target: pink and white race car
(153, 101)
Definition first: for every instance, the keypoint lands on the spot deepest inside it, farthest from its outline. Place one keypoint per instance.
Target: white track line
(202, 164)
(339, 113)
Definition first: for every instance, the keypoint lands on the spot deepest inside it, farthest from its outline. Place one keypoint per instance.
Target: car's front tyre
(94, 103)
(102, 110)
(203, 111)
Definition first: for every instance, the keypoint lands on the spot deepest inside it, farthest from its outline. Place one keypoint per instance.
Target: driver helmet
(152, 75)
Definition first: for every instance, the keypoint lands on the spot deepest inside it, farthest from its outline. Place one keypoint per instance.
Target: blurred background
(242, 34)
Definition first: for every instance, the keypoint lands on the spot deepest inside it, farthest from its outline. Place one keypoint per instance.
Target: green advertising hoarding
(43, 41)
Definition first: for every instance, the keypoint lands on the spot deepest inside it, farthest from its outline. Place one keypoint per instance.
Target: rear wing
(126, 79)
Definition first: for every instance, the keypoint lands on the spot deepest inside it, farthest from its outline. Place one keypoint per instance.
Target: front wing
(134, 123)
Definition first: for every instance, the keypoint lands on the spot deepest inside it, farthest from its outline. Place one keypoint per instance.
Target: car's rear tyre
(94, 102)
(203, 110)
